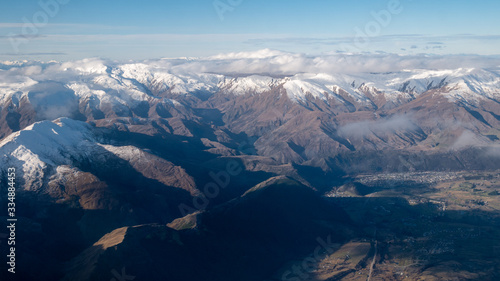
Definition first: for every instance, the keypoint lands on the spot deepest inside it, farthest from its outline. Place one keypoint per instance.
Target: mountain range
(197, 167)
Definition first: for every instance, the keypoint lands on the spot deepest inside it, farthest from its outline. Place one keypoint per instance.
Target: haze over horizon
(69, 30)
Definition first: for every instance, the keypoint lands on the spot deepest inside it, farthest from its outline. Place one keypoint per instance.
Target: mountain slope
(102, 146)
(247, 238)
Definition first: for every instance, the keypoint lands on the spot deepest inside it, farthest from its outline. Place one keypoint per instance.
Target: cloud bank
(267, 62)
(283, 63)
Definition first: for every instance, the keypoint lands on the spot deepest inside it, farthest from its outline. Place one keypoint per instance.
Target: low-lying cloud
(380, 126)
(269, 61)
(470, 139)
(53, 100)
(273, 62)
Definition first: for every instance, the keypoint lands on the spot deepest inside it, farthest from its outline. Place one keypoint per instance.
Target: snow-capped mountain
(170, 96)
(101, 145)
(46, 144)
(128, 84)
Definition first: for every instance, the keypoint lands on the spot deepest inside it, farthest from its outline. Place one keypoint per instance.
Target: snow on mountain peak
(44, 143)
(48, 139)
(85, 66)
(250, 84)
(129, 84)
(162, 79)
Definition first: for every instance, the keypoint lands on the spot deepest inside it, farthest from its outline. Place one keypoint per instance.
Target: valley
(180, 175)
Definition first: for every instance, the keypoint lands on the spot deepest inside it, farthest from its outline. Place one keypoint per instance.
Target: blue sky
(132, 29)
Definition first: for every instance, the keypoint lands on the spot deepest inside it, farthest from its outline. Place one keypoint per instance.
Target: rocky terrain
(185, 175)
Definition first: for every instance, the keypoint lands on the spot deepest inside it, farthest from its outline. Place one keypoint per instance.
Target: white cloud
(261, 54)
(86, 66)
(268, 61)
(282, 63)
(265, 62)
(362, 129)
(470, 139)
